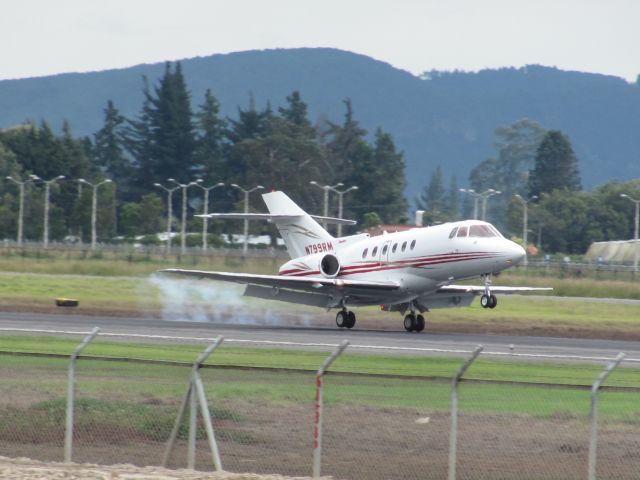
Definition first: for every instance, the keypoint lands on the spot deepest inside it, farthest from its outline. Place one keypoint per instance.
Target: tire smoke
(215, 302)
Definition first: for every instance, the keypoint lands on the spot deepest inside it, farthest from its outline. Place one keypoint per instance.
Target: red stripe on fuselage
(417, 262)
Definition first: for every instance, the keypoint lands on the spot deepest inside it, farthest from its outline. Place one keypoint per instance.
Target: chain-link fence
(537, 425)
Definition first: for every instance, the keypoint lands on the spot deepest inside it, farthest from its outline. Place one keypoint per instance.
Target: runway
(388, 342)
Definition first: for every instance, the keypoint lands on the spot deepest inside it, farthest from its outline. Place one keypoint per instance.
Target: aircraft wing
(479, 289)
(309, 284)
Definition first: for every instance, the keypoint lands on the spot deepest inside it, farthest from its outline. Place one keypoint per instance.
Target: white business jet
(411, 271)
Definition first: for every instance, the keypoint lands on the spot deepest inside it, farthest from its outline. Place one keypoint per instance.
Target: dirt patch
(27, 469)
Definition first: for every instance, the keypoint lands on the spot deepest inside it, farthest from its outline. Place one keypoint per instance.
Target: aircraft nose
(516, 253)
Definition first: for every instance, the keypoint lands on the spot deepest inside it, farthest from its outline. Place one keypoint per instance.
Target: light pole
(169, 211)
(206, 210)
(94, 207)
(246, 210)
(525, 221)
(183, 223)
(477, 196)
(635, 230)
(340, 194)
(485, 196)
(47, 194)
(326, 188)
(21, 206)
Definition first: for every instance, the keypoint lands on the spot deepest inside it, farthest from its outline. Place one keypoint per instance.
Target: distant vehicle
(410, 271)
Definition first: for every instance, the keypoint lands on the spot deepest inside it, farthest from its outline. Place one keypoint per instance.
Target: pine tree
(250, 123)
(172, 129)
(138, 141)
(108, 152)
(296, 113)
(209, 154)
(556, 166)
(432, 199)
(452, 207)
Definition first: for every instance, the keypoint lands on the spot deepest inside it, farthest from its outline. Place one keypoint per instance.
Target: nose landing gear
(488, 300)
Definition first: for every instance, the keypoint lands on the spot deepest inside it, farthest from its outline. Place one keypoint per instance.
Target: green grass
(397, 365)
(146, 394)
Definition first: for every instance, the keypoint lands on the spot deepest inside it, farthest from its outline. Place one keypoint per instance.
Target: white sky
(42, 37)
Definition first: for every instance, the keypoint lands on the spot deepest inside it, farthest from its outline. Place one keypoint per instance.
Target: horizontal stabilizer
(275, 217)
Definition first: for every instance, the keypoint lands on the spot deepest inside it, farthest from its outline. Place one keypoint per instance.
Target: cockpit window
(453, 232)
(495, 230)
(480, 231)
(462, 232)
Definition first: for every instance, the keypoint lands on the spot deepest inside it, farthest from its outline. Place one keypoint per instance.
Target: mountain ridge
(446, 119)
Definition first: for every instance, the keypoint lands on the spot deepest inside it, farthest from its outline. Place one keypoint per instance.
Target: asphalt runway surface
(388, 342)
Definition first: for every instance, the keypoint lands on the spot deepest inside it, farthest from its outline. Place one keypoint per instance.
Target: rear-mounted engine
(329, 265)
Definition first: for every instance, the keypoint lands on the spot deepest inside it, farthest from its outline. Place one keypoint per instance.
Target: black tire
(493, 301)
(410, 322)
(341, 319)
(351, 319)
(420, 323)
(485, 301)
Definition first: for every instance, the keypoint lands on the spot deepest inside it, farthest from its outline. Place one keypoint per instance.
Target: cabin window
(462, 232)
(413, 244)
(384, 249)
(364, 254)
(394, 248)
(480, 231)
(374, 252)
(404, 246)
(453, 232)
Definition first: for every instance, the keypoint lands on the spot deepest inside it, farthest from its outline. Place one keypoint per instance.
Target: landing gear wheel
(351, 319)
(342, 318)
(485, 301)
(410, 322)
(493, 301)
(420, 323)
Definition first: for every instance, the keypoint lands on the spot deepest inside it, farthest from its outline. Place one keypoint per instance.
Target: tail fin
(301, 234)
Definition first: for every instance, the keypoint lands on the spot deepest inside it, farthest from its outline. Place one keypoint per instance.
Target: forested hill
(445, 119)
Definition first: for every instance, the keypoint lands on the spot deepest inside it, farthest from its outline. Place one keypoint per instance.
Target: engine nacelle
(329, 265)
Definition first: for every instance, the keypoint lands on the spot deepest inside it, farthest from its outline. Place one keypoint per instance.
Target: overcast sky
(42, 37)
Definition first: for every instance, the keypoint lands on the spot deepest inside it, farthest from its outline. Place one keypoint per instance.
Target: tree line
(539, 167)
(281, 148)
(168, 138)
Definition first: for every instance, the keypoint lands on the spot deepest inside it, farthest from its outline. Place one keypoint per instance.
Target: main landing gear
(414, 323)
(345, 318)
(488, 300)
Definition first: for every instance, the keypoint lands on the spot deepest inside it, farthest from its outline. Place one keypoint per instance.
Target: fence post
(593, 443)
(453, 434)
(195, 392)
(317, 420)
(68, 433)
